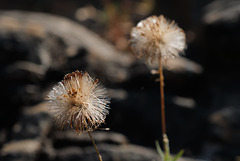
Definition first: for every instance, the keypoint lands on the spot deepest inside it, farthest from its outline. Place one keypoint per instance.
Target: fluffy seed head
(80, 101)
(155, 38)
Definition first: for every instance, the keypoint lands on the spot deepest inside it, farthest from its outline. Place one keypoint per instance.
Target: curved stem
(93, 142)
(95, 146)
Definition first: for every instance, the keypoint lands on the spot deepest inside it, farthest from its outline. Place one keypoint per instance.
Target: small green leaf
(178, 155)
(160, 152)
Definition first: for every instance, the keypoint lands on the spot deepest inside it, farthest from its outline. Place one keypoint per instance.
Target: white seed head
(80, 101)
(155, 38)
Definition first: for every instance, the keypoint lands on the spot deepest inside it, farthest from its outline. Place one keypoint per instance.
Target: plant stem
(164, 133)
(162, 97)
(93, 142)
(166, 146)
(95, 146)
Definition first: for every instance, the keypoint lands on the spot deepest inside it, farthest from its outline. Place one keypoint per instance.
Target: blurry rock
(112, 146)
(31, 46)
(3, 137)
(108, 153)
(103, 56)
(221, 20)
(25, 69)
(42, 107)
(55, 43)
(35, 122)
(221, 30)
(21, 150)
(47, 152)
(28, 134)
(70, 138)
(220, 152)
(225, 125)
(220, 11)
(184, 102)
(190, 159)
(118, 94)
(183, 65)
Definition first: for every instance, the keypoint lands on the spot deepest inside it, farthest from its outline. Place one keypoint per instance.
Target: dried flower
(155, 38)
(79, 101)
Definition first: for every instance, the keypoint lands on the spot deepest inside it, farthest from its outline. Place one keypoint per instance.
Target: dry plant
(156, 39)
(81, 102)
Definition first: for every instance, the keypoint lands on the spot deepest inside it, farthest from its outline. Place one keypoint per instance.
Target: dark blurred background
(42, 40)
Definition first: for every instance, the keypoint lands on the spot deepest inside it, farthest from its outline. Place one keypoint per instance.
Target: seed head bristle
(155, 38)
(80, 101)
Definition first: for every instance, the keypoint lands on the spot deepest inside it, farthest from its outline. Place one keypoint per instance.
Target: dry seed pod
(80, 101)
(155, 38)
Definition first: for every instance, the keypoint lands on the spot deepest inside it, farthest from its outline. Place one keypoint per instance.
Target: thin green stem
(166, 146)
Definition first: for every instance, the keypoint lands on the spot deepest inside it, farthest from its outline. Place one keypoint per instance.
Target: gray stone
(225, 125)
(219, 11)
(21, 150)
(35, 122)
(108, 153)
(71, 138)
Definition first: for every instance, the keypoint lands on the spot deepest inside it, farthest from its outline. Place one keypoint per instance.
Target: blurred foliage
(120, 19)
(166, 156)
(116, 18)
